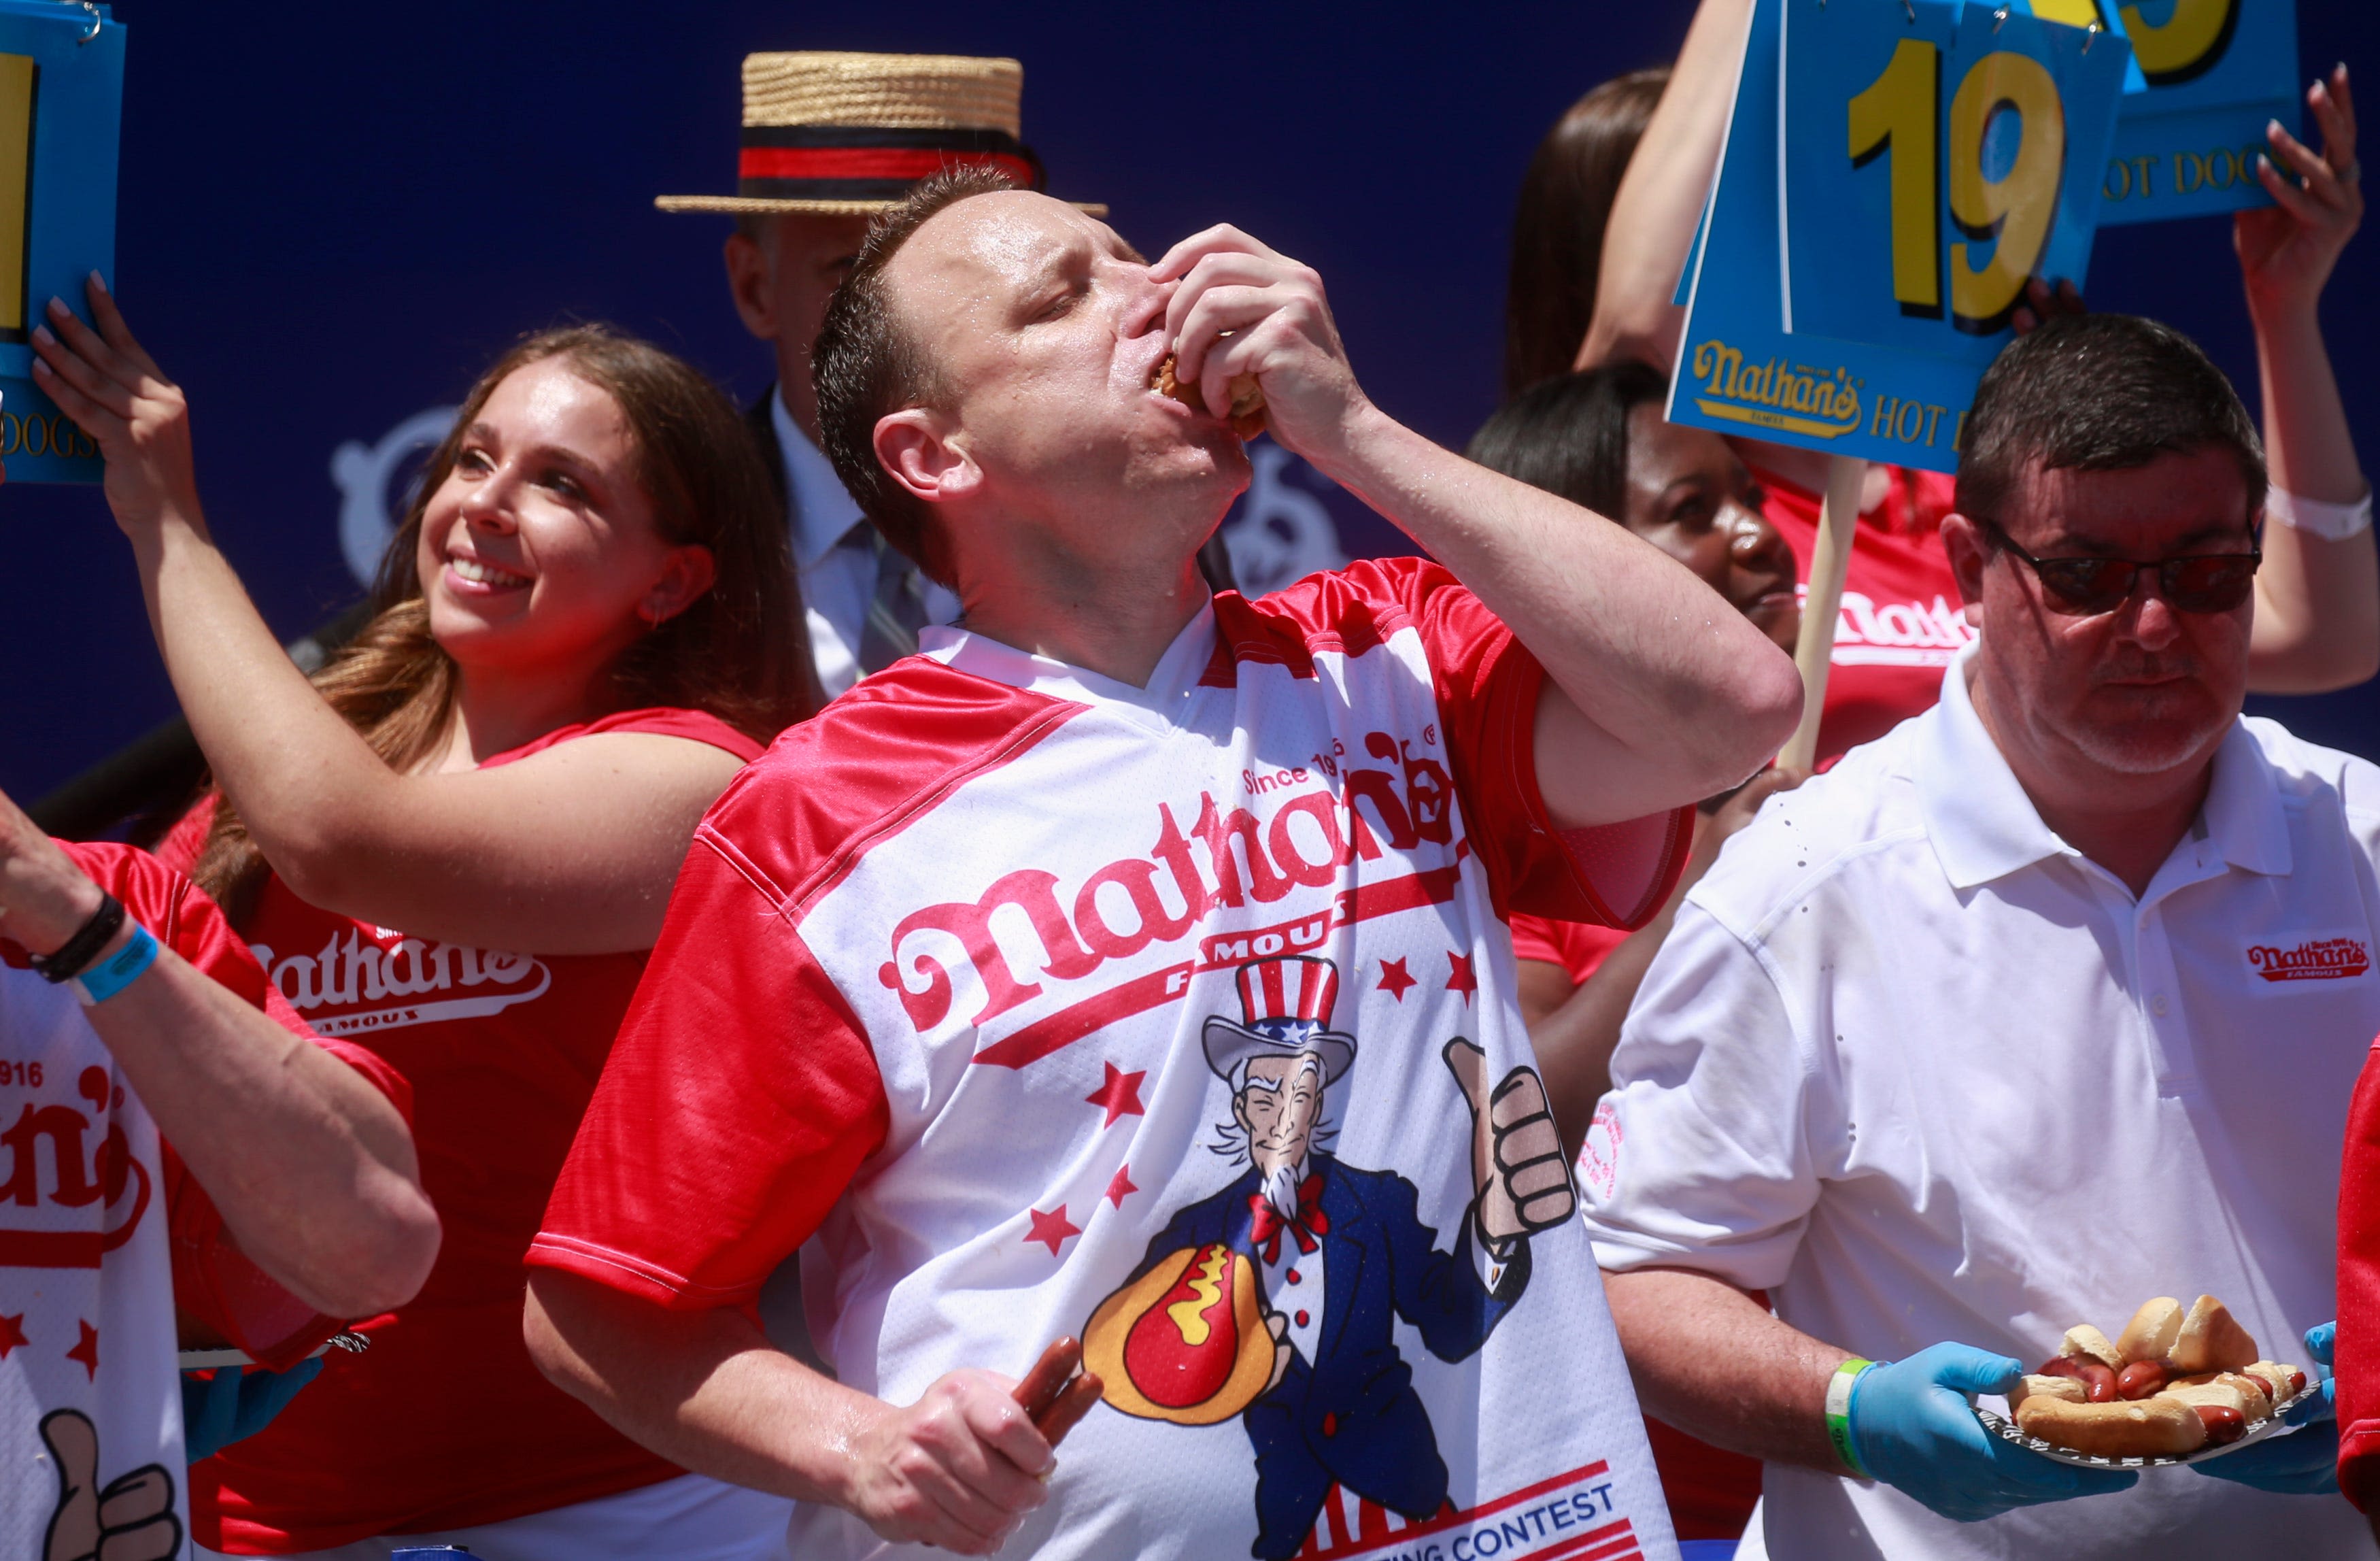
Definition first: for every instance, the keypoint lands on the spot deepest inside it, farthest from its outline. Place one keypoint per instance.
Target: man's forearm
(311, 1166)
(1708, 1359)
(1648, 654)
(704, 1389)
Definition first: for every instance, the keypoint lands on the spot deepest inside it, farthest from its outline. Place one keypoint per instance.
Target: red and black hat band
(867, 163)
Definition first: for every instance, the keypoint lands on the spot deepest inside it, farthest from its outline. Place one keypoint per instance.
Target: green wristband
(1839, 1413)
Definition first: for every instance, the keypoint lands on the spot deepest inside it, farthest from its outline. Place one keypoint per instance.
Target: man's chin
(2153, 743)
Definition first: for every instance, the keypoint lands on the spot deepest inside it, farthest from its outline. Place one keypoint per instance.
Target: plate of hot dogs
(2177, 1385)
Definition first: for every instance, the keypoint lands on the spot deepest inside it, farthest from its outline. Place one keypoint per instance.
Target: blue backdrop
(332, 219)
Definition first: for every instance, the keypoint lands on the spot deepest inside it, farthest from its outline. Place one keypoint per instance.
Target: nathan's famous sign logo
(1128, 905)
(2315, 960)
(91, 1198)
(1823, 404)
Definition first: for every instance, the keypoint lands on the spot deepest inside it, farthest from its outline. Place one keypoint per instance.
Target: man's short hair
(2099, 393)
(865, 367)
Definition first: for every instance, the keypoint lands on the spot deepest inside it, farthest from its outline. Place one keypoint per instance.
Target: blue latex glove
(221, 1410)
(1913, 1426)
(2297, 1463)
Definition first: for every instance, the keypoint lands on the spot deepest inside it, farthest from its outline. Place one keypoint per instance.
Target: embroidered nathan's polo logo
(2315, 960)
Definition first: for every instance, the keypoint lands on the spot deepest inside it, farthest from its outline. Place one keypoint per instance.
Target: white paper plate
(217, 1360)
(2271, 1425)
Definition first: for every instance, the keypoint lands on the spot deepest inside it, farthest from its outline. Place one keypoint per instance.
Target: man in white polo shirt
(1982, 1034)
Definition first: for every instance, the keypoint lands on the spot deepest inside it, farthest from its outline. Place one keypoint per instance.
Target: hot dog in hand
(2173, 1382)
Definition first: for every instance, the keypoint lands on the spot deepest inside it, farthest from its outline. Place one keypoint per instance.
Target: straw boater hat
(844, 134)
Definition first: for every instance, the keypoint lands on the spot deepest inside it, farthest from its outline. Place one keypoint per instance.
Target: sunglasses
(2207, 582)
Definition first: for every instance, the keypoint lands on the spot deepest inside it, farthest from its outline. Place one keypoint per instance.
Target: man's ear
(689, 571)
(927, 452)
(752, 282)
(1963, 540)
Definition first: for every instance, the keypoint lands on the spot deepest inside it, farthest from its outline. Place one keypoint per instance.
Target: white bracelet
(2332, 522)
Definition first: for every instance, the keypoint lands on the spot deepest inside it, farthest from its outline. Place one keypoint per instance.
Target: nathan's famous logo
(102, 1190)
(396, 974)
(2315, 960)
(1776, 394)
(1128, 905)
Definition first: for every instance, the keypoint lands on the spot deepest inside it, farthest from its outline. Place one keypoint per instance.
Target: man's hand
(130, 1520)
(2297, 1463)
(1913, 1425)
(1241, 309)
(44, 898)
(958, 1468)
(2287, 250)
(1517, 1163)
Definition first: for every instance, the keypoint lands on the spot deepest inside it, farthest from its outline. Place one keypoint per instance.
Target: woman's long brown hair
(1558, 232)
(738, 651)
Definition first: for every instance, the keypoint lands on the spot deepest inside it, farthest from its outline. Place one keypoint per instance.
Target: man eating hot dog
(963, 975)
(2046, 1004)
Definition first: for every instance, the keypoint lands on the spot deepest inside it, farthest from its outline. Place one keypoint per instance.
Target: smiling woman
(455, 846)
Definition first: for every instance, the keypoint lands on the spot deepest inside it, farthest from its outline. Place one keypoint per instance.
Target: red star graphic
(87, 1350)
(1120, 1188)
(1395, 979)
(1459, 977)
(1053, 1229)
(1118, 1095)
(12, 1333)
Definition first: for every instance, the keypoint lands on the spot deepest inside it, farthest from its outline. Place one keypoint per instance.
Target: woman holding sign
(455, 846)
(2317, 624)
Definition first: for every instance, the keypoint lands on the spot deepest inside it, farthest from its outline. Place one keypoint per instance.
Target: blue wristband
(118, 971)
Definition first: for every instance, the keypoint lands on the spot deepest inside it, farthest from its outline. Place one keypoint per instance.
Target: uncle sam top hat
(849, 134)
(1285, 1006)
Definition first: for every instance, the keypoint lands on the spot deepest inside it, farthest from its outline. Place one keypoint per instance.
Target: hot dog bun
(2150, 1334)
(2225, 1391)
(2258, 1392)
(2085, 1342)
(2159, 1427)
(2281, 1382)
(2066, 1389)
(1248, 414)
(2210, 1339)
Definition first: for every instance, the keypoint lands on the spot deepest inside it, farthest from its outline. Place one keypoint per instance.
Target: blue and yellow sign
(1934, 161)
(61, 93)
(1915, 290)
(2207, 76)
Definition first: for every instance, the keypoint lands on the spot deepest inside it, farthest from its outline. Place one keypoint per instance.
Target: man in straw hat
(932, 980)
(829, 139)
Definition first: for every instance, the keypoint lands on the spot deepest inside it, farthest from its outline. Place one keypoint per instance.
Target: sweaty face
(1280, 1106)
(539, 547)
(2142, 689)
(1045, 332)
(1692, 497)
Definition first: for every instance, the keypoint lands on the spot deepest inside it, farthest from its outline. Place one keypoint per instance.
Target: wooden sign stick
(1813, 652)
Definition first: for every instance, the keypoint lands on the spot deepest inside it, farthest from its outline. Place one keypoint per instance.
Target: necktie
(898, 608)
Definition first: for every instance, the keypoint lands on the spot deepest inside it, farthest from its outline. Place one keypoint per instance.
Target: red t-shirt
(963, 975)
(446, 1420)
(213, 1280)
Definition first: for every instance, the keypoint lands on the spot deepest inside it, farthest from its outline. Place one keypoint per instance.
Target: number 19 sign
(1895, 172)
(61, 90)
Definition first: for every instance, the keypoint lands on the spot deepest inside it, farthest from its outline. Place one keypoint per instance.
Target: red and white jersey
(103, 1232)
(988, 975)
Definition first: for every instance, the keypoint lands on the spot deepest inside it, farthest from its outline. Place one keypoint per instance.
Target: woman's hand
(2287, 250)
(45, 898)
(117, 393)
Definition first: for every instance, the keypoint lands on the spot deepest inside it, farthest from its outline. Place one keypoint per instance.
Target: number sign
(1936, 159)
(2208, 75)
(61, 89)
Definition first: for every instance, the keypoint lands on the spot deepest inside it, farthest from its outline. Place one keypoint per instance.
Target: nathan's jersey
(103, 1232)
(1162, 1017)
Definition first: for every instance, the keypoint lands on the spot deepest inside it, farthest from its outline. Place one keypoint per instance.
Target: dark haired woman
(455, 848)
(2317, 624)
(1598, 439)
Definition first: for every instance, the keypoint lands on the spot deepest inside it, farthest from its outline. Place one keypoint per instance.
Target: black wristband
(84, 947)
